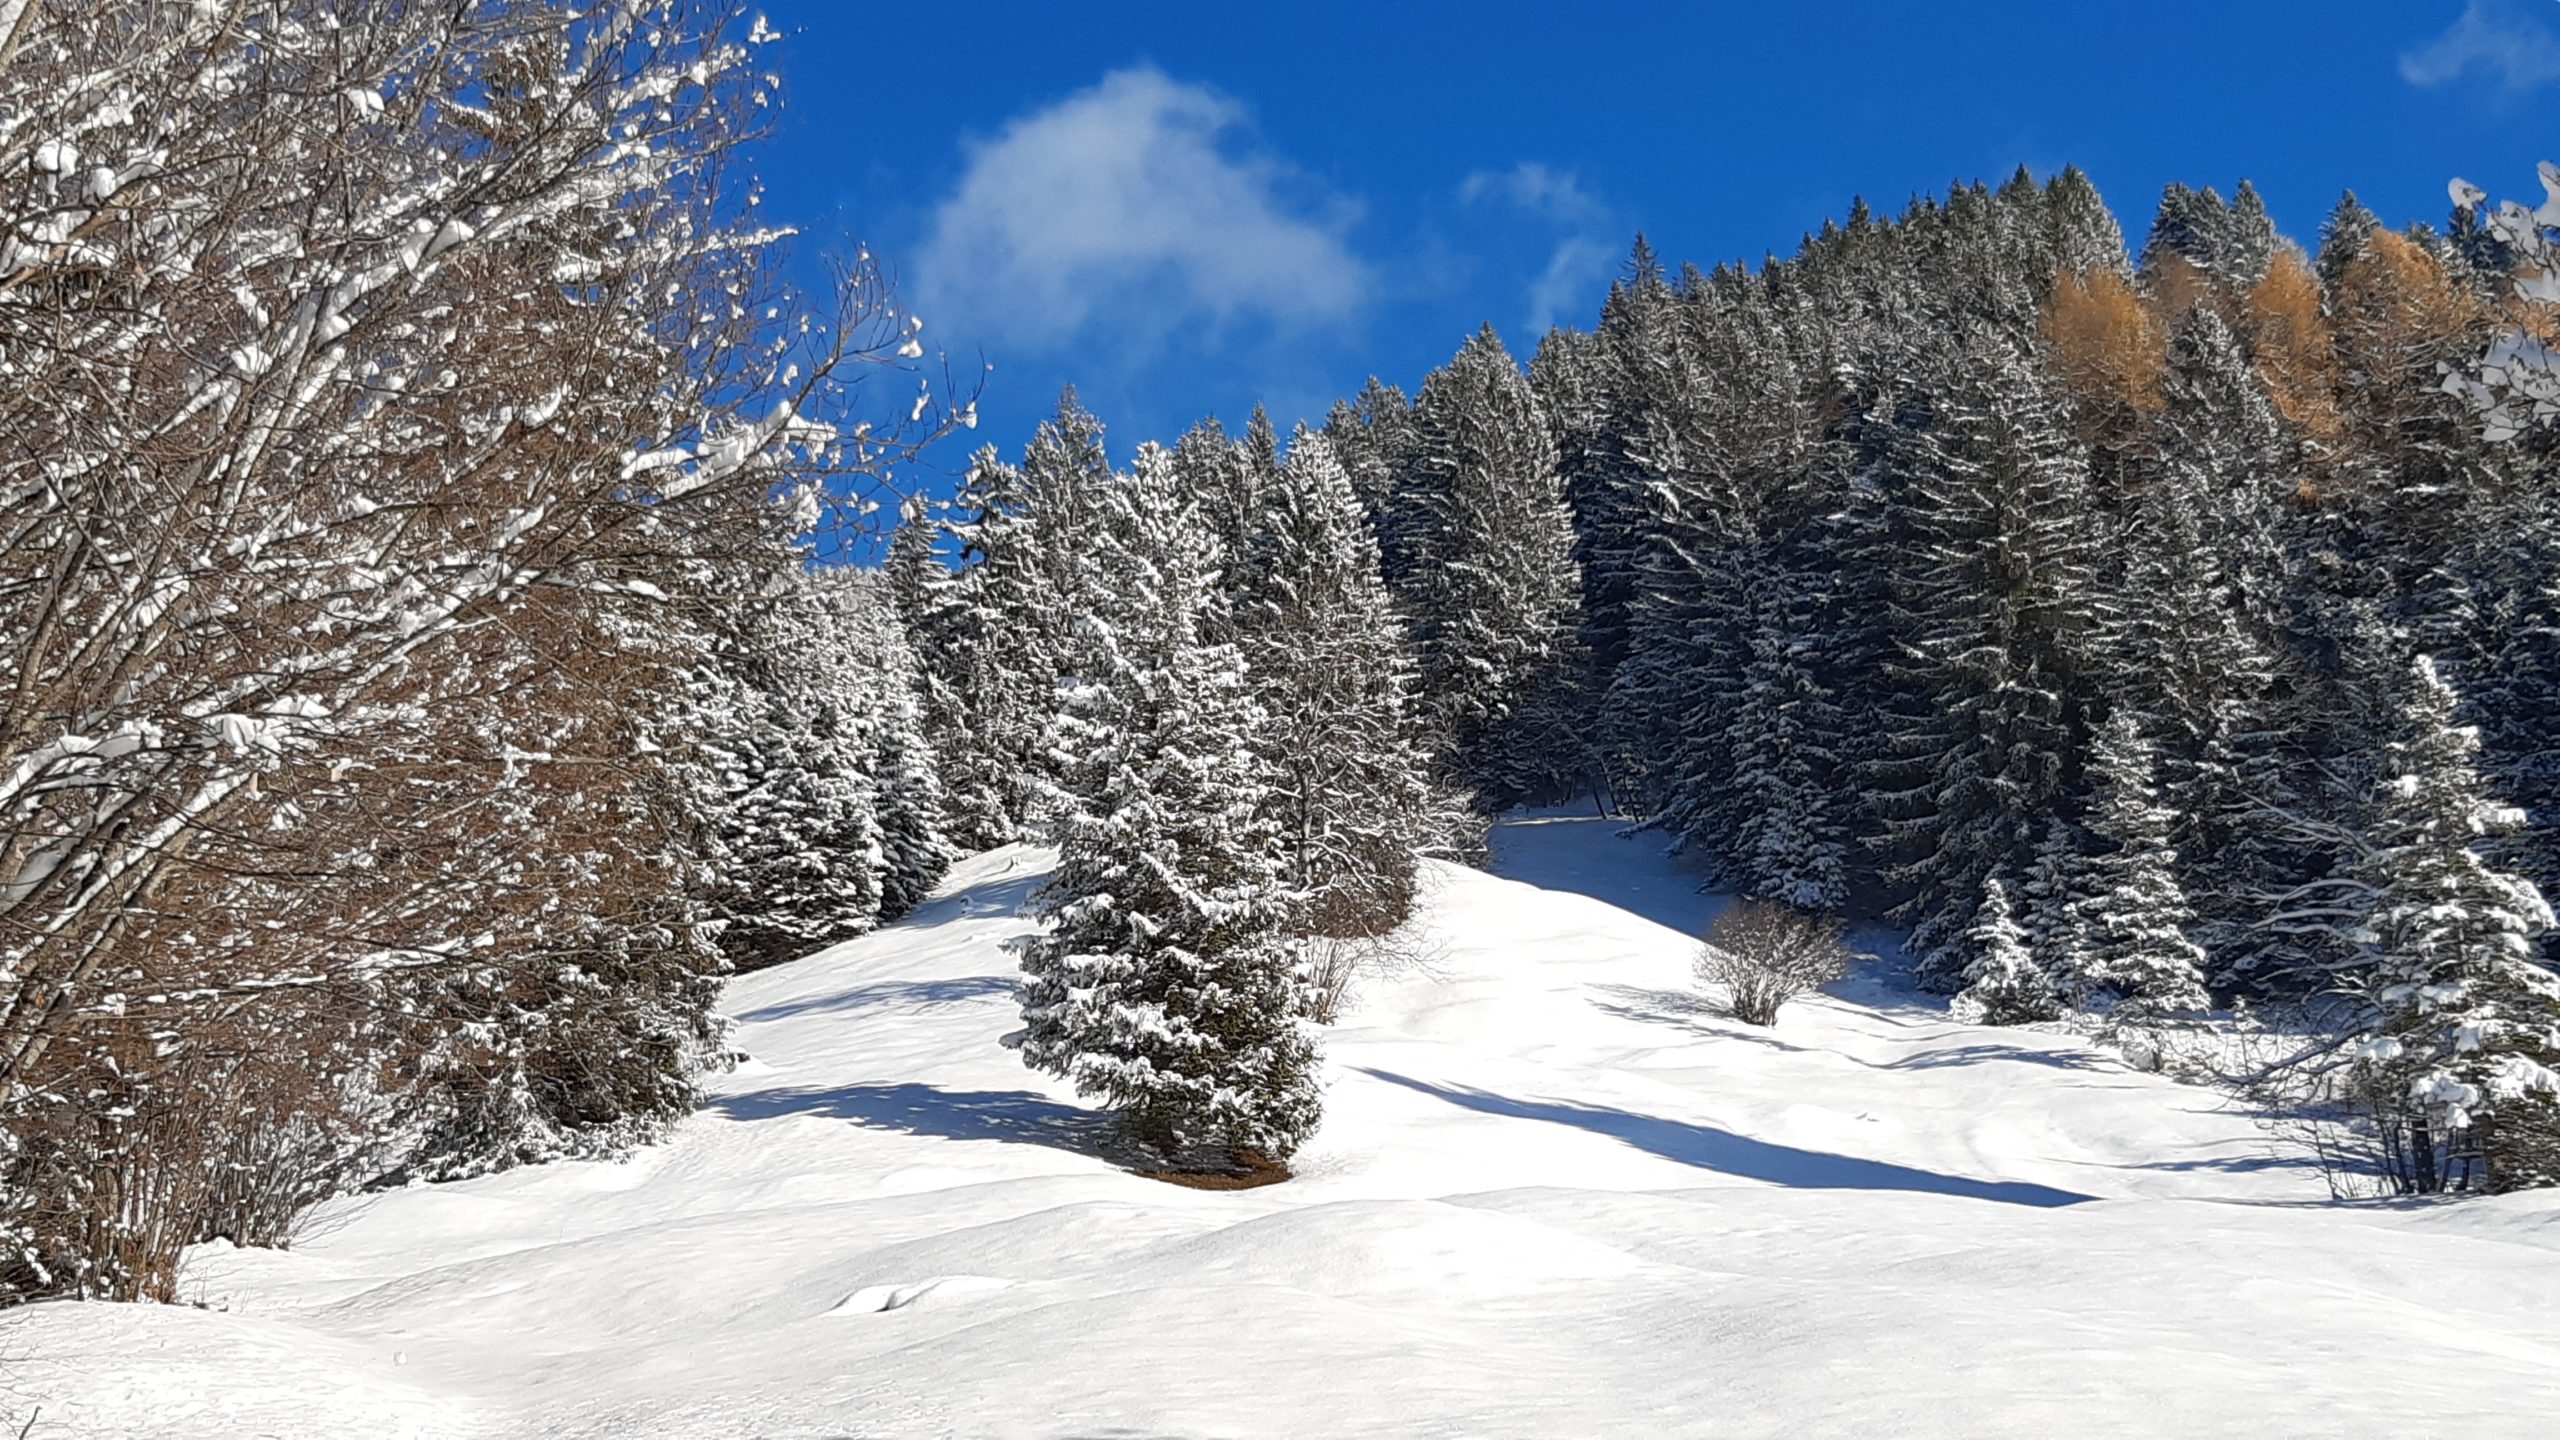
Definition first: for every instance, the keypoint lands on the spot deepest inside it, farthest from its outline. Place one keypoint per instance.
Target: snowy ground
(1552, 1197)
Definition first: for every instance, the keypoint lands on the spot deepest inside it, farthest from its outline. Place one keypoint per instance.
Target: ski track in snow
(1554, 1195)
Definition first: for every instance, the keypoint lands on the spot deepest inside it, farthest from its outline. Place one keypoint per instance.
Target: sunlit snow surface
(1553, 1196)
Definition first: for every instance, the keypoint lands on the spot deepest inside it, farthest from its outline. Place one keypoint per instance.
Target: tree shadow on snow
(1987, 1051)
(1701, 1017)
(1693, 1013)
(1010, 1117)
(2231, 1164)
(1709, 1148)
(1558, 852)
(1004, 893)
(894, 995)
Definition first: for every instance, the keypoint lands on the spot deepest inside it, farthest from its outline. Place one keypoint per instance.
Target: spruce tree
(1994, 601)
(2230, 242)
(912, 570)
(2199, 604)
(2086, 237)
(2003, 985)
(1615, 470)
(2136, 914)
(2047, 899)
(1218, 477)
(2249, 239)
(1374, 436)
(1791, 839)
(1163, 983)
(905, 777)
(1495, 597)
(2344, 237)
(1065, 475)
(798, 836)
(983, 640)
(2516, 696)
(1331, 670)
(2465, 1029)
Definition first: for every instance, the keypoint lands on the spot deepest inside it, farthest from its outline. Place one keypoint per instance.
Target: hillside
(1552, 1195)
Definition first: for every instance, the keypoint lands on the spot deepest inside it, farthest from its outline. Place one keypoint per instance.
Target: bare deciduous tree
(386, 392)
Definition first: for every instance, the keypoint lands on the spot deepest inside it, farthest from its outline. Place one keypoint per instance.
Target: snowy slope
(1552, 1197)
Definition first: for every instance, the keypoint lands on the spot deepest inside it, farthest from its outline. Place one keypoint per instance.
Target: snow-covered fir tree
(1602, 392)
(1163, 983)
(1791, 839)
(2196, 608)
(2463, 1051)
(1994, 597)
(2003, 984)
(831, 814)
(1374, 436)
(1224, 479)
(2086, 237)
(2046, 898)
(2344, 236)
(980, 637)
(2136, 916)
(905, 776)
(1331, 670)
(2230, 241)
(1495, 600)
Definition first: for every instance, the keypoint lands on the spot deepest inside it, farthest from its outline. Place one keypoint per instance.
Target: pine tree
(2136, 914)
(1495, 598)
(1163, 982)
(2465, 1032)
(2003, 985)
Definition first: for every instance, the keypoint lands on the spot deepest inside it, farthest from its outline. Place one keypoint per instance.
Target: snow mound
(1555, 1193)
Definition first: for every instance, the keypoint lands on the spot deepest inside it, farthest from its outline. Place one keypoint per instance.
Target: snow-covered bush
(1763, 955)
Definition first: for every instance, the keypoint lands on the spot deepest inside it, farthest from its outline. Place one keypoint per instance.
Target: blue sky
(1184, 208)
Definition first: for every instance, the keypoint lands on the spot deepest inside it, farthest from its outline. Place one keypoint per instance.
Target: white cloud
(1556, 194)
(1576, 273)
(2497, 40)
(1577, 269)
(1131, 207)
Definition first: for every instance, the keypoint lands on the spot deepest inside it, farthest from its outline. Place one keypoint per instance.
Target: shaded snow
(1553, 1195)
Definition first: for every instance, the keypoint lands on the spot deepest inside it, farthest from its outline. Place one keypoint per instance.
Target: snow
(1554, 1195)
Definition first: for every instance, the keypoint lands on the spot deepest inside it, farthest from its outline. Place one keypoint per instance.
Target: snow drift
(1553, 1195)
